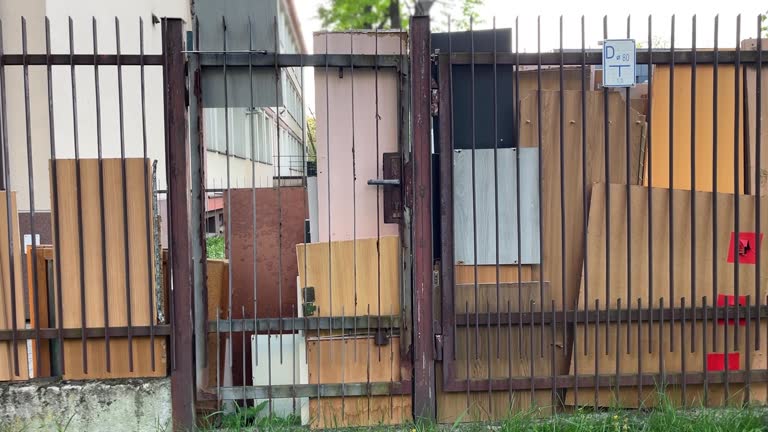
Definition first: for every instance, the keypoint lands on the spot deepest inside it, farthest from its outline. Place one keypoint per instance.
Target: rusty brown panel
(271, 268)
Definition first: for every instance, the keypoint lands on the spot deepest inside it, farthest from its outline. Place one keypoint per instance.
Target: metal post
(182, 370)
(423, 350)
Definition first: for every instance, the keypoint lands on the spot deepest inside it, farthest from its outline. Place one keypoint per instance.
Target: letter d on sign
(609, 54)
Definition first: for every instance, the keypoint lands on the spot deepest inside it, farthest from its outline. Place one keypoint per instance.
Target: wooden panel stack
(690, 276)
(8, 365)
(140, 268)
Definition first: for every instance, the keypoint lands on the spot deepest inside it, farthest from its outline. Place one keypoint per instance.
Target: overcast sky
(593, 11)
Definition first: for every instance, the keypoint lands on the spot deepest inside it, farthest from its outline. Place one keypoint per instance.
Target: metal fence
(599, 243)
(549, 241)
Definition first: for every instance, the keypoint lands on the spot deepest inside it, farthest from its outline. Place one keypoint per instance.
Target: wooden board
(140, 269)
(571, 240)
(681, 137)
(38, 268)
(682, 277)
(750, 82)
(218, 281)
(7, 363)
(465, 274)
(352, 276)
(338, 412)
(354, 359)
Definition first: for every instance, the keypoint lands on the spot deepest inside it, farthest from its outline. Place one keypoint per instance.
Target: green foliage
(312, 139)
(215, 247)
(339, 15)
(357, 14)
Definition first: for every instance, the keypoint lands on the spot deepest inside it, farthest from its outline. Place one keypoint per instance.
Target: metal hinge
(438, 347)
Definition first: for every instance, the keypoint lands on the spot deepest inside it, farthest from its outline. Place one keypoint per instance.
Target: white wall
(82, 12)
(240, 172)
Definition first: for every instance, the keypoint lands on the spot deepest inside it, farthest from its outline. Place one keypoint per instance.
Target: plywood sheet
(757, 168)
(727, 103)
(83, 214)
(474, 181)
(352, 359)
(11, 286)
(339, 412)
(351, 276)
(690, 275)
(562, 253)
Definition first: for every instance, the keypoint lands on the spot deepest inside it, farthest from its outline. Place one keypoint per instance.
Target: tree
(390, 14)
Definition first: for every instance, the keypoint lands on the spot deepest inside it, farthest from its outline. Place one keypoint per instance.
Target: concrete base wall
(115, 405)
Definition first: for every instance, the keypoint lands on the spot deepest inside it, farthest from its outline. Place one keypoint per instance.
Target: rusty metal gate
(597, 244)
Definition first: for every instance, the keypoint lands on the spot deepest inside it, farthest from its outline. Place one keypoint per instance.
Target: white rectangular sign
(619, 63)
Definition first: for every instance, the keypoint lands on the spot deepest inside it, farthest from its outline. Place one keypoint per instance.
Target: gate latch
(392, 183)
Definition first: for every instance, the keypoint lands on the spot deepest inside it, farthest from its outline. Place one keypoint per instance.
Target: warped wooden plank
(140, 269)
(690, 276)
(353, 275)
(727, 103)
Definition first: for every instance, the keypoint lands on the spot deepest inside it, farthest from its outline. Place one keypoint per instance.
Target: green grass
(215, 247)
(662, 418)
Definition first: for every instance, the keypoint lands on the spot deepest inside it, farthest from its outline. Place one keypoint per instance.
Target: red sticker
(730, 300)
(716, 361)
(748, 245)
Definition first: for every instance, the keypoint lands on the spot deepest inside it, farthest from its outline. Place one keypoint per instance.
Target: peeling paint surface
(106, 405)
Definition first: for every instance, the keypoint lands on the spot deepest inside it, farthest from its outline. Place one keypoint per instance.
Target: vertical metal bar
(584, 199)
(424, 372)
(663, 379)
(649, 119)
(218, 357)
(9, 213)
(517, 120)
(269, 369)
(509, 349)
(683, 352)
(748, 356)
(561, 103)
(539, 190)
(294, 363)
(597, 352)
(378, 188)
(253, 196)
(758, 175)
(182, 394)
(279, 195)
(103, 225)
(242, 342)
(670, 185)
(627, 162)
(617, 351)
(81, 261)
(575, 357)
(54, 175)
(552, 372)
(727, 349)
(466, 345)
(488, 354)
(639, 351)
(532, 356)
(228, 188)
(31, 179)
(474, 188)
(693, 182)
(736, 181)
(354, 178)
(715, 121)
(705, 349)
(124, 171)
(496, 189)
(607, 147)
(343, 364)
(147, 201)
(319, 342)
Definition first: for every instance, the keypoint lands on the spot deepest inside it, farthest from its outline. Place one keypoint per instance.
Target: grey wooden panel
(485, 210)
